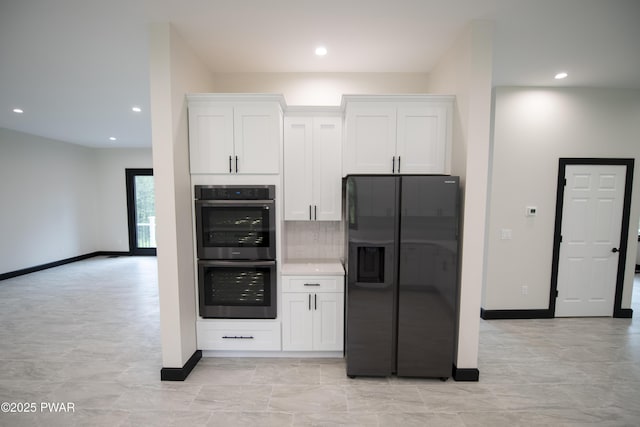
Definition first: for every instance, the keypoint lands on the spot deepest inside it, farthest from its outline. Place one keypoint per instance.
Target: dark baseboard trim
(623, 313)
(112, 253)
(465, 374)
(181, 374)
(28, 270)
(515, 314)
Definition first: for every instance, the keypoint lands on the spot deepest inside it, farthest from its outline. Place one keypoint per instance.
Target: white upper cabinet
(422, 141)
(397, 134)
(210, 138)
(234, 134)
(312, 168)
(370, 142)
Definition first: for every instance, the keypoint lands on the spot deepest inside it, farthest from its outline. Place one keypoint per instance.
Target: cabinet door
(327, 167)
(328, 321)
(298, 168)
(370, 142)
(257, 135)
(422, 139)
(210, 139)
(297, 320)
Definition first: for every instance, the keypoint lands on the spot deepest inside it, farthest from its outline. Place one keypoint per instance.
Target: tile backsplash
(313, 240)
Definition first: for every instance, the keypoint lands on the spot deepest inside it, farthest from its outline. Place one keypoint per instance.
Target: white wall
(112, 222)
(466, 71)
(320, 88)
(533, 128)
(48, 211)
(61, 200)
(174, 72)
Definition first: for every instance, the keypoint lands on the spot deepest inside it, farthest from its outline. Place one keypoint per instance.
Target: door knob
(614, 250)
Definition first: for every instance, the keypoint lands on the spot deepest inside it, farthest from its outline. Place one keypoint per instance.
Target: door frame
(131, 211)
(618, 311)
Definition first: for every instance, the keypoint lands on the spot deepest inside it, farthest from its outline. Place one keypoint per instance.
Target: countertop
(310, 267)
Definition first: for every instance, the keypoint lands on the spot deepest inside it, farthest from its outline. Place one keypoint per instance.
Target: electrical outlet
(525, 290)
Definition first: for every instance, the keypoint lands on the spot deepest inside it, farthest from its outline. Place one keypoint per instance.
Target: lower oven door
(237, 289)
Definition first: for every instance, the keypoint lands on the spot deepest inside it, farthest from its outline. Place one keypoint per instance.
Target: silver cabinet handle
(315, 301)
(393, 164)
(310, 213)
(312, 284)
(230, 164)
(315, 212)
(238, 337)
(398, 164)
(309, 301)
(236, 164)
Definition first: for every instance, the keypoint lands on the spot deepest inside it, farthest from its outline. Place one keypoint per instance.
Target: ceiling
(76, 67)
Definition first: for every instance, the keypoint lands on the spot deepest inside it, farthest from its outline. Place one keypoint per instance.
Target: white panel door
(422, 139)
(298, 171)
(591, 227)
(327, 165)
(328, 323)
(370, 142)
(257, 134)
(210, 139)
(297, 317)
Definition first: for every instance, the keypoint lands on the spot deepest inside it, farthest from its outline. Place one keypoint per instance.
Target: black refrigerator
(402, 275)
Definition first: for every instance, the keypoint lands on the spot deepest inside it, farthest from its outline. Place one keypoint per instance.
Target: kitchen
(183, 75)
(471, 150)
(252, 297)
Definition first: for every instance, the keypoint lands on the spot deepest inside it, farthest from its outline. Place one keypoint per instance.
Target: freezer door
(372, 225)
(428, 269)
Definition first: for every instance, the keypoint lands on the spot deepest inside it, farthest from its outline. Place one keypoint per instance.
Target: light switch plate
(506, 234)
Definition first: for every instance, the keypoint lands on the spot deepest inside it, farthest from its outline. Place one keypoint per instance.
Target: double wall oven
(236, 246)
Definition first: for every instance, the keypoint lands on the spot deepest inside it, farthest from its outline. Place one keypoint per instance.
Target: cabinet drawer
(313, 284)
(225, 335)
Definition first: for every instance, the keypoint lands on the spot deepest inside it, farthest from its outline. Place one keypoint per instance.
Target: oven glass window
(236, 227)
(237, 286)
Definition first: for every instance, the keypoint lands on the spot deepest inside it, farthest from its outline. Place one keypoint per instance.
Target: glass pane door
(141, 211)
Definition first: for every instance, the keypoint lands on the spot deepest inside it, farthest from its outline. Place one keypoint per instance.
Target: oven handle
(236, 263)
(235, 202)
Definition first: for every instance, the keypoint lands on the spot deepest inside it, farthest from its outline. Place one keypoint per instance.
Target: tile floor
(88, 333)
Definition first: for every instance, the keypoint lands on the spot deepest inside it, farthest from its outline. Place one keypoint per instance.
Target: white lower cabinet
(313, 313)
(238, 335)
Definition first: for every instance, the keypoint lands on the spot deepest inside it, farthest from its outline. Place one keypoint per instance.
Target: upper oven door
(233, 229)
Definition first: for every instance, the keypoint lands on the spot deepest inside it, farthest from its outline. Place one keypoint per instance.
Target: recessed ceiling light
(112, 138)
(561, 75)
(136, 109)
(18, 110)
(321, 51)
